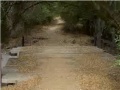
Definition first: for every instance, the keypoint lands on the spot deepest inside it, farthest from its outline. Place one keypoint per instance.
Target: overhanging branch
(30, 7)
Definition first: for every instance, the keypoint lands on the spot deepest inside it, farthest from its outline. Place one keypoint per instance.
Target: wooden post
(22, 40)
(98, 41)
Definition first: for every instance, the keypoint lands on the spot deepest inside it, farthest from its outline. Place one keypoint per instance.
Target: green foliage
(76, 12)
(42, 13)
(39, 14)
(29, 13)
(117, 62)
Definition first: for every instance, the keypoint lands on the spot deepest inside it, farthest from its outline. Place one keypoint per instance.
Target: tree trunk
(98, 32)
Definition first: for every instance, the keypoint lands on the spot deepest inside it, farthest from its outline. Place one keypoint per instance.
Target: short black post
(22, 40)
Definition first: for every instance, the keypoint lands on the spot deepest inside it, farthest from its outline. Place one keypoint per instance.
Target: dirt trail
(53, 35)
(58, 75)
(70, 66)
(73, 68)
(63, 65)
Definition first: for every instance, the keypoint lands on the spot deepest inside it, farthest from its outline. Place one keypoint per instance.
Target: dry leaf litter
(24, 85)
(94, 72)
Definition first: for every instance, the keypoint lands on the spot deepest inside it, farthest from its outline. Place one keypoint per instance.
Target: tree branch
(106, 8)
(30, 7)
(9, 8)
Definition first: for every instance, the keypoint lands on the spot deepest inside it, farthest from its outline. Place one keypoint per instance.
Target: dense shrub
(75, 13)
